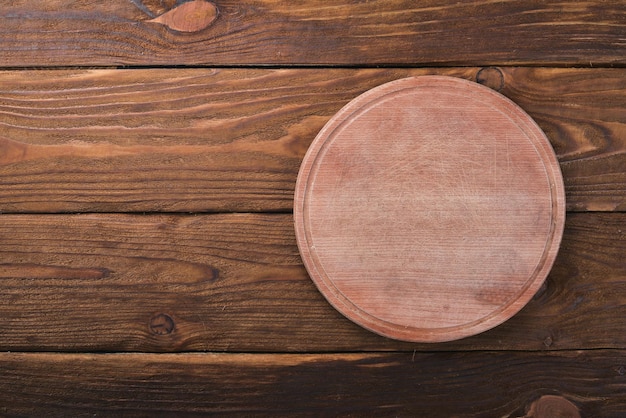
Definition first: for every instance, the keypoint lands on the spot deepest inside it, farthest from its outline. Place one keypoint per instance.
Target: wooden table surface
(148, 263)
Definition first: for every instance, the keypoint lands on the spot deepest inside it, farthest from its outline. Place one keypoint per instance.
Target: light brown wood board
(429, 209)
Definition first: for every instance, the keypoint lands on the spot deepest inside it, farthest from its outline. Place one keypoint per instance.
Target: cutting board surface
(429, 209)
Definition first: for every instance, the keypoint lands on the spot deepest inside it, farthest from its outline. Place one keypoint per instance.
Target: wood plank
(232, 140)
(312, 32)
(236, 283)
(516, 384)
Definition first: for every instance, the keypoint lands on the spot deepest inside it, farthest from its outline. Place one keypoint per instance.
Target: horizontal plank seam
(320, 353)
(151, 213)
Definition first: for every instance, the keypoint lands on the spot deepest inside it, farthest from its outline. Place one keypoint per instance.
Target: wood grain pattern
(589, 136)
(149, 115)
(429, 209)
(236, 283)
(399, 384)
(313, 32)
(232, 140)
(164, 140)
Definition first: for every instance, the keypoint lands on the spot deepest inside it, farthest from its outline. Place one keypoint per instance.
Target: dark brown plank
(314, 32)
(233, 140)
(236, 283)
(515, 384)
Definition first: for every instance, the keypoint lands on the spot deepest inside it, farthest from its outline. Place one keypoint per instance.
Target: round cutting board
(429, 209)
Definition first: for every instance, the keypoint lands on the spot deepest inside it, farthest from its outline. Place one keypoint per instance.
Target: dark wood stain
(389, 384)
(148, 159)
(349, 33)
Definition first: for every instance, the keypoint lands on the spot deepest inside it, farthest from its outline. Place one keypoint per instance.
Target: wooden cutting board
(429, 209)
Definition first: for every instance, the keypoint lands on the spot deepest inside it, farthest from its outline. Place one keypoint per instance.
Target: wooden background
(148, 263)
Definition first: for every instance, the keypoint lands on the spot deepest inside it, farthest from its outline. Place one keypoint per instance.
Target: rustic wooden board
(443, 188)
(149, 115)
(401, 384)
(312, 32)
(236, 283)
(232, 140)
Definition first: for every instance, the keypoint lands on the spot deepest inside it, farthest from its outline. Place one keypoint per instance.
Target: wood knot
(552, 406)
(548, 341)
(162, 324)
(192, 16)
(491, 77)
